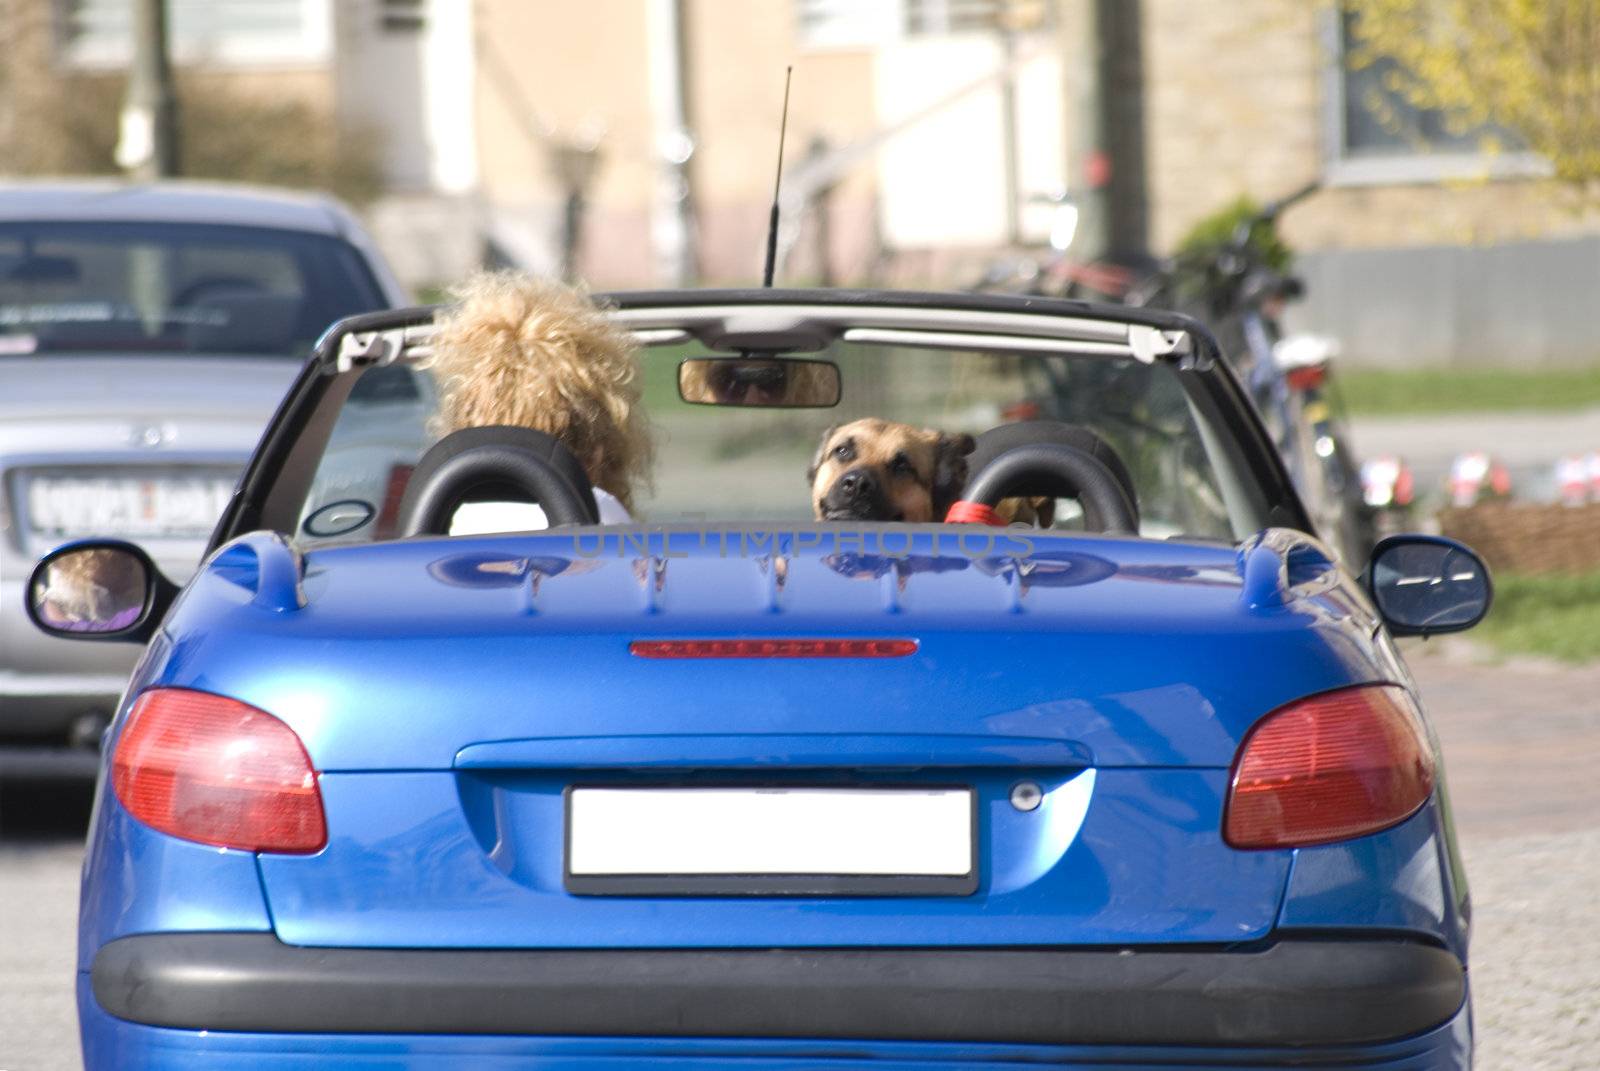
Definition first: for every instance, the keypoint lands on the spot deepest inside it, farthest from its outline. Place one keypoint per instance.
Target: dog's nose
(856, 494)
(855, 483)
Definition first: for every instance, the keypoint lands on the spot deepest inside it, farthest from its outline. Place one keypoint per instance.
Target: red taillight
(1307, 378)
(772, 648)
(211, 769)
(1328, 768)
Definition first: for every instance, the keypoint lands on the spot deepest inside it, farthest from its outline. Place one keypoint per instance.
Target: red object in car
(394, 492)
(1019, 411)
(964, 512)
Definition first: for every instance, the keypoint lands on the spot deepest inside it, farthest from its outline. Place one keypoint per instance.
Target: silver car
(147, 333)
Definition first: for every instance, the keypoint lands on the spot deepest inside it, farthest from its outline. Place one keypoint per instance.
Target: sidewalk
(1528, 442)
(1521, 740)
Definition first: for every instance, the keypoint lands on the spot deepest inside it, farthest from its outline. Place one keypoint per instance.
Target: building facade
(894, 139)
(634, 143)
(1419, 249)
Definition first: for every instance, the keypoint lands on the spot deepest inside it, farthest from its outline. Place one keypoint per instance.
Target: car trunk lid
(1113, 677)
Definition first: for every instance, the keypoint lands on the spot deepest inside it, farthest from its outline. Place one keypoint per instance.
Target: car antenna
(772, 224)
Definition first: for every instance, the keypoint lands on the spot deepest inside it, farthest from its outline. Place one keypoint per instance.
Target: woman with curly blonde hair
(533, 353)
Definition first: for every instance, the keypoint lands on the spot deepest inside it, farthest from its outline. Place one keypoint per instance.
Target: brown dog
(1033, 512)
(877, 470)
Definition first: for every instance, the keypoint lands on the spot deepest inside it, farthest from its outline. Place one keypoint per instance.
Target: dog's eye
(901, 466)
(845, 451)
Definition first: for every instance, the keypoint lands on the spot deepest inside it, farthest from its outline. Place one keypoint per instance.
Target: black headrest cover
(996, 441)
(545, 446)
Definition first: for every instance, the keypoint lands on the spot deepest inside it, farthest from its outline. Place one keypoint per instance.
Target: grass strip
(1552, 615)
(1375, 392)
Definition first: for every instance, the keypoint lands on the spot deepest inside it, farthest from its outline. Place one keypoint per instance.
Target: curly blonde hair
(537, 354)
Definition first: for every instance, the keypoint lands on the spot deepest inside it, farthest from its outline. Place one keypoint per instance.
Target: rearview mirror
(770, 382)
(1425, 585)
(98, 590)
(42, 270)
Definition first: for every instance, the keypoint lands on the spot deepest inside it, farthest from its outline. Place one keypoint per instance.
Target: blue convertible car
(731, 787)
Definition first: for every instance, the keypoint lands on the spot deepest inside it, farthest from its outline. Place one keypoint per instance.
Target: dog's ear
(822, 452)
(949, 470)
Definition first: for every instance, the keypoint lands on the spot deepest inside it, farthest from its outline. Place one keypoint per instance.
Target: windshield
(173, 288)
(754, 462)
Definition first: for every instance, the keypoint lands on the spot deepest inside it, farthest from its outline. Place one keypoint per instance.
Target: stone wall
(1232, 95)
(1237, 93)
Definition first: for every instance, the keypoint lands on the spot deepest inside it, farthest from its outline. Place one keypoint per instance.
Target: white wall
(942, 178)
(415, 86)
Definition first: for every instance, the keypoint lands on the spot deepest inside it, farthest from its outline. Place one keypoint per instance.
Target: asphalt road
(1521, 741)
(41, 830)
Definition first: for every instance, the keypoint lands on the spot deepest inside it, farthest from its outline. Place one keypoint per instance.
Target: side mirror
(1425, 585)
(101, 589)
(769, 382)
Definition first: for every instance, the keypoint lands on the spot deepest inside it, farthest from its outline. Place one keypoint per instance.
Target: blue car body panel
(146, 882)
(449, 691)
(1401, 879)
(450, 694)
(487, 859)
(1140, 653)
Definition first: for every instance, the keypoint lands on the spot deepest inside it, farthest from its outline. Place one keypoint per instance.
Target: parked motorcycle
(1241, 289)
(1053, 271)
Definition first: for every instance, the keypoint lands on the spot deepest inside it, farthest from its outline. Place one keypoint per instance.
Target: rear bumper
(113, 1045)
(1290, 993)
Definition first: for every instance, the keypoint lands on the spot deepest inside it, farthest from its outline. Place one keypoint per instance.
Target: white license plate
(870, 832)
(126, 505)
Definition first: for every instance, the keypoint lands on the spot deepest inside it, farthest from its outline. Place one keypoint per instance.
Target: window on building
(1378, 135)
(951, 16)
(100, 32)
(402, 16)
(1378, 121)
(977, 16)
(869, 23)
(846, 23)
